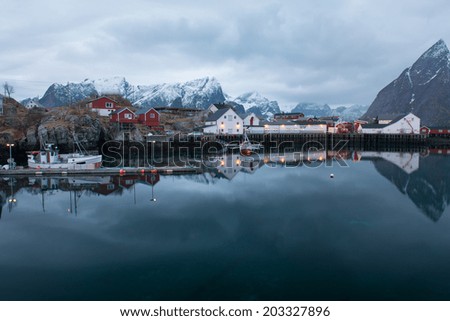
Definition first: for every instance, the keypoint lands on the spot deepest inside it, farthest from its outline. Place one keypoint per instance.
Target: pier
(101, 171)
(329, 141)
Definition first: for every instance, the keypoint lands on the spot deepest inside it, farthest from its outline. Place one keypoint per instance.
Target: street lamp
(10, 155)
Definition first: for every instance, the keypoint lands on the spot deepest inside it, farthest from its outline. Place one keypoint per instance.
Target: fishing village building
(289, 127)
(403, 124)
(435, 131)
(288, 116)
(251, 120)
(148, 116)
(224, 121)
(123, 116)
(104, 106)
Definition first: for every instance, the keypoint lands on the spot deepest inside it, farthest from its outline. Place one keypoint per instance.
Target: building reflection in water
(424, 178)
(415, 175)
(76, 187)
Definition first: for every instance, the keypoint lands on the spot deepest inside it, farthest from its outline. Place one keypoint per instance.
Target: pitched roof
(142, 111)
(287, 114)
(307, 122)
(94, 99)
(293, 122)
(374, 125)
(394, 120)
(222, 106)
(215, 116)
(118, 111)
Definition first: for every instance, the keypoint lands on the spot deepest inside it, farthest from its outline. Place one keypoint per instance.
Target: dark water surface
(378, 230)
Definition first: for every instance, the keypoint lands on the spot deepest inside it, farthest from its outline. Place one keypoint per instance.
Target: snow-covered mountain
(350, 113)
(61, 95)
(253, 102)
(199, 93)
(423, 89)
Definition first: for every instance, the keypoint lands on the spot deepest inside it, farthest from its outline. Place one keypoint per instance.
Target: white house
(33, 103)
(405, 124)
(251, 120)
(224, 122)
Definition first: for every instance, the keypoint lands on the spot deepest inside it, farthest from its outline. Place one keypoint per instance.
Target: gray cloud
(290, 51)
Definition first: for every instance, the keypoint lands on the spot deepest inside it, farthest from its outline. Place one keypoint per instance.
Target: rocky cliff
(27, 128)
(423, 89)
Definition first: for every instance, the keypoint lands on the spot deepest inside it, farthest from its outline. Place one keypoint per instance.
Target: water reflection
(424, 179)
(427, 185)
(75, 187)
(276, 228)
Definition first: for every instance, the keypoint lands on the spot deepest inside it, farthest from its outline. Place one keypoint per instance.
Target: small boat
(49, 157)
(247, 147)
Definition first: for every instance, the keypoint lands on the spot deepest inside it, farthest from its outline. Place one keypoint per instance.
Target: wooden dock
(102, 171)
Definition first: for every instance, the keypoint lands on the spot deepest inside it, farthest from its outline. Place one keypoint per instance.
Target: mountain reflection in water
(290, 226)
(423, 178)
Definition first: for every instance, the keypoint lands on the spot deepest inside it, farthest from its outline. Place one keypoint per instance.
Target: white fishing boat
(49, 157)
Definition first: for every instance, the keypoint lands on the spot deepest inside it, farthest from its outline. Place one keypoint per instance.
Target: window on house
(109, 105)
(234, 117)
(152, 115)
(230, 118)
(128, 116)
(225, 116)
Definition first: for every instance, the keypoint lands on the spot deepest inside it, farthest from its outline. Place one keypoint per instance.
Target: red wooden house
(103, 105)
(123, 116)
(435, 132)
(149, 117)
(344, 128)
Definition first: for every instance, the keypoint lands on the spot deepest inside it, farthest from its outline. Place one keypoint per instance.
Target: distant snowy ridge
(254, 102)
(198, 93)
(322, 110)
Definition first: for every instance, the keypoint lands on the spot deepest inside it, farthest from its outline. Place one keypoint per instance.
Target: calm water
(378, 230)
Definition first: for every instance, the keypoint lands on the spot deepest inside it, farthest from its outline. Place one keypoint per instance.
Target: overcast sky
(335, 52)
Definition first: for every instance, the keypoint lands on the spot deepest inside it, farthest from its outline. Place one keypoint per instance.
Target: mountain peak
(423, 89)
(438, 50)
(254, 102)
